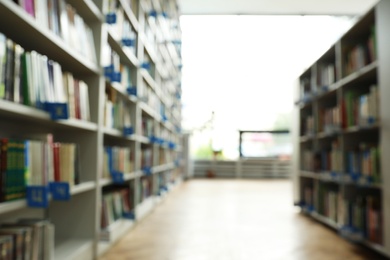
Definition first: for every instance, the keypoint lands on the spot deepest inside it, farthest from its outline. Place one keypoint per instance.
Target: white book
(69, 83)
(60, 95)
(35, 93)
(64, 22)
(84, 101)
(91, 44)
(17, 73)
(49, 237)
(41, 13)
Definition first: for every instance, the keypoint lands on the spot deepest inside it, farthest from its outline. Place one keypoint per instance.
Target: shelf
(115, 232)
(329, 134)
(148, 48)
(83, 187)
(357, 129)
(130, 15)
(16, 112)
(376, 247)
(325, 220)
(143, 139)
(306, 138)
(118, 88)
(12, 205)
(125, 54)
(148, 78)
(88, 10)
(145, 207)
(45, 41)
(148, 110)
(127, 177)
(162, 168)
(74, 249)
(368, 72)
(309, 174)
(112, 132)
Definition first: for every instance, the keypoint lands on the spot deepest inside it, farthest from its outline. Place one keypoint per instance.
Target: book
(27, 237)
(9, 70)
(6, 247)
(43, 238)
(18, 236)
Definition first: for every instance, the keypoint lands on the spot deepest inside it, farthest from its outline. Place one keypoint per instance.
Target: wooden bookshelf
(78, 221)
(342, 143)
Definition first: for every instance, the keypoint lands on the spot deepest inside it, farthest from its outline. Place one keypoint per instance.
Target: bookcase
(341, 165)
(91, 121)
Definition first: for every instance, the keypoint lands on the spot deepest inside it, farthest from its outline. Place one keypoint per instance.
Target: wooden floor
(233, 219)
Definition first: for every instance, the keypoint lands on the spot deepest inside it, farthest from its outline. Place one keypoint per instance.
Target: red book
(77, 98)
(56, 159)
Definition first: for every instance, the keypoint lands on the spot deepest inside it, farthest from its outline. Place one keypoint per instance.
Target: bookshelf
(100, 96)
(341, 167)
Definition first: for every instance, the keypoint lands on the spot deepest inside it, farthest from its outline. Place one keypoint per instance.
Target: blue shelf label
(132, 91)
(116, 77)
(145, 65)
(129, 215)
(371, 120)
(60, 191)
(164, 118)
(152, 139)
(147, 170)
(108, 71)
(355, 176)
(153, 13)
(111, 18)
(117, 177)
(57, 111)
(128, 42)
(164, 14)
(128, 131)
(38, 196)
(172, 145)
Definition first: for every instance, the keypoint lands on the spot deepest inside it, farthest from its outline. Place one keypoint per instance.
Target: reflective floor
(233, 220)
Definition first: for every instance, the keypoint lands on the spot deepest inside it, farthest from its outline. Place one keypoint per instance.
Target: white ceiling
(276, 7)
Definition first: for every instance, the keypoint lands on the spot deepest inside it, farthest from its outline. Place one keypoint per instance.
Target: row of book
(329, 119)
(120, 26)
(117, 112)
(63, 20)
(361, 108)
(27, 239)
(36, 163)
(365, 216)
(331, 160)
(307, 125)
(361, 54)
(115, 71)
(146, 188)
(364, 160)
(147, 157)
(361, 215)
(34, 80)
(116, 204)
(147, 126)
(117, 159)
(326, 75)
(166, 156)
(328, 203)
